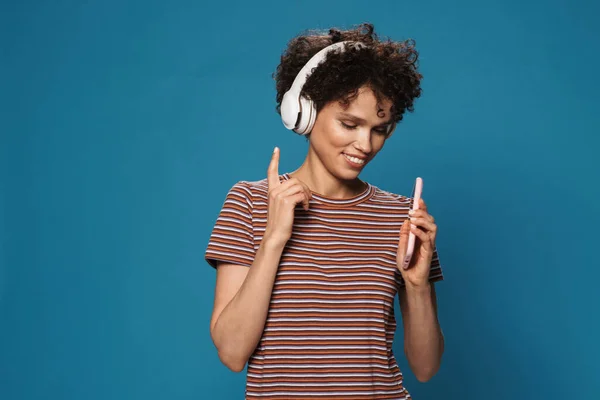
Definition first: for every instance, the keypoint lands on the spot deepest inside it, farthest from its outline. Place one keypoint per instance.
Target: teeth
(354, 159)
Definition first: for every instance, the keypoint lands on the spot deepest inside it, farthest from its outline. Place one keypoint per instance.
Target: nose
(363, 140)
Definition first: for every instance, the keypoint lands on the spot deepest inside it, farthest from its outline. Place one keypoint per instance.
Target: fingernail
(275, 149)
(411, 212)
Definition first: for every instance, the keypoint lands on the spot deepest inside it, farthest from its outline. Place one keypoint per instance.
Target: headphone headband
(314, 62)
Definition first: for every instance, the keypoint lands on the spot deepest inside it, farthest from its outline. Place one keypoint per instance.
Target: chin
(347, 174)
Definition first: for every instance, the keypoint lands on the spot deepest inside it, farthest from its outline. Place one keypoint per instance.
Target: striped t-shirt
(330, 325)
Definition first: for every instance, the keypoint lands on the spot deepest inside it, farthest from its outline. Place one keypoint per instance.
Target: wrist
(272, 242)
(420, 289)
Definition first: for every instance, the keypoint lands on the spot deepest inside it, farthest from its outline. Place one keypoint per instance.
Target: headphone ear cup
(308, 115)
(290, 109)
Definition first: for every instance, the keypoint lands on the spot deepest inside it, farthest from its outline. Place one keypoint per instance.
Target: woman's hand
(283, 198)
(421, 223)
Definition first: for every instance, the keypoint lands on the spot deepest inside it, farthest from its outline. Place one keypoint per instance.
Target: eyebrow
(359, 119)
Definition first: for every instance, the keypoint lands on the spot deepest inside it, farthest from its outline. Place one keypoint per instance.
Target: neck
(314, 174)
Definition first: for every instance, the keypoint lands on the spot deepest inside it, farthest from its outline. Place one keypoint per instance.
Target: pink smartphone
(416, 195)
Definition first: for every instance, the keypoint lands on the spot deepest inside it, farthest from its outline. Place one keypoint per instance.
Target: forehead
(365, 104)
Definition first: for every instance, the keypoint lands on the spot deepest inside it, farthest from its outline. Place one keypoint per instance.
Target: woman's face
(345, 139)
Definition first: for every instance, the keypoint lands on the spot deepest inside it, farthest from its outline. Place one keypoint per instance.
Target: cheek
(377, 142)
(331, 134)
(333, 129)
(339, 137)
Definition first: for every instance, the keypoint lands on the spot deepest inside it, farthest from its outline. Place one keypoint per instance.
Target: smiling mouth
(355, 160)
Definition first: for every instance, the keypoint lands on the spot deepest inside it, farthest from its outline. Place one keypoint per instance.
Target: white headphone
(299, 113)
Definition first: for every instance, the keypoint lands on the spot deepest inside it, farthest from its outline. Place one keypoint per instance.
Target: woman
(309, 262)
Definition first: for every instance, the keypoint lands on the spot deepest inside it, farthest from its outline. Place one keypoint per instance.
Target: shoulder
(250, 190)
(391, 199)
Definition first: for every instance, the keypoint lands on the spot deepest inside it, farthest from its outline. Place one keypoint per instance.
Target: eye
(345, 125)
(381, 131)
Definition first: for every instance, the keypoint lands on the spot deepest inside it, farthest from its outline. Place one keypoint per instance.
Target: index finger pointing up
(273, 171)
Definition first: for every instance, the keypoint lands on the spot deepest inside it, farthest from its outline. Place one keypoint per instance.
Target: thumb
(273, 171)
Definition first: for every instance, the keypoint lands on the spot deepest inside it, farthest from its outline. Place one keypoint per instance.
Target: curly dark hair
(388, 67)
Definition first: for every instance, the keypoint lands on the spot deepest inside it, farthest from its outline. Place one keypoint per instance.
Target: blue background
(124, 123)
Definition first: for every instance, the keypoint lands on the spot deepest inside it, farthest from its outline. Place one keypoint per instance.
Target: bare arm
(423, 337)
(242, 299)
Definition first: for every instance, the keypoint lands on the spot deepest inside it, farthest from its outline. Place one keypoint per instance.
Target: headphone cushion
(307, 116)
(313, 117)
